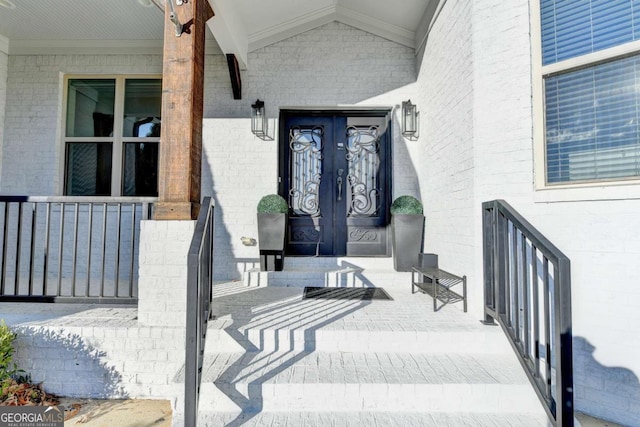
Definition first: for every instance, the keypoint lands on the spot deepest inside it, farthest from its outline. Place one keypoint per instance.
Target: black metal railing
(527, 284)
(199, 294)
(70, 249)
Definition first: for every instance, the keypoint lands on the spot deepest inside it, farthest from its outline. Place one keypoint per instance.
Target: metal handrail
(70, 249)
(78, 199)
(527, 286)
(199, 297)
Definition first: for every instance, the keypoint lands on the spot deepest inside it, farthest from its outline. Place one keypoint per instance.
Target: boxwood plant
(273, 203)
(406, 205)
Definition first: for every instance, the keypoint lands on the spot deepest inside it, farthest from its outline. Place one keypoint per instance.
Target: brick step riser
(283, 340)
(371, 418)
(357, 397)
(328, 278)
(321, 271)
(328, 263)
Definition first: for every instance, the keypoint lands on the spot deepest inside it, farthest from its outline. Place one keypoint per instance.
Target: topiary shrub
(406, 205)
(273, 203)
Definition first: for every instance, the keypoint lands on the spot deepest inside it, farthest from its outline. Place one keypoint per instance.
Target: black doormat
(364, 294)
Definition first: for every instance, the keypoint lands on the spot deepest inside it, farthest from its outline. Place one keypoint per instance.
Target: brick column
(162, 279)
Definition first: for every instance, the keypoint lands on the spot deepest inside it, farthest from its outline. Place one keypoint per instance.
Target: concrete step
(274, 358)
(370, 419)
(279, 319)
(483, 341)
(369, 263)
(333, 272)
(353, 382)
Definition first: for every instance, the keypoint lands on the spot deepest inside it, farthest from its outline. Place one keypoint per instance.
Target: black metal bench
(439, 285)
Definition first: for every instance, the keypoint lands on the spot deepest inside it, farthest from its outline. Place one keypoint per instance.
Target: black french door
(335, 172)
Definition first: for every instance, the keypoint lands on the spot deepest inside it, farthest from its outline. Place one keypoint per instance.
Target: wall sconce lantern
(259, 120)
(409, 120)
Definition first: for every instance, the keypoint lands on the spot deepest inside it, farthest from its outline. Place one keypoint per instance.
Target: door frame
(382, 112)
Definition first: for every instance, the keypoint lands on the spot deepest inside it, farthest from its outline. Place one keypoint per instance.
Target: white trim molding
(589, 193)
(292, 27)
(4, 44)
(537, 83)
(228, 30)
(328, 14)
(95, 47)
(591, 59)
(374, 26)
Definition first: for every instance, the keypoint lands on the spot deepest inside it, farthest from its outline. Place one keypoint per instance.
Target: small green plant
(15, 386)
(7, 367)
(273, 203)
(406, 205)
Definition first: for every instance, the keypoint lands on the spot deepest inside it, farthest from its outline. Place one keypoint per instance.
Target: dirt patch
(122, 413)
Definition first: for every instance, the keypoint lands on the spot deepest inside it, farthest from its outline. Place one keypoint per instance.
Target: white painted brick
(163, 272)
(443, 157)
(238, 168)
(4, 72)
(600, 237)
(32, 120)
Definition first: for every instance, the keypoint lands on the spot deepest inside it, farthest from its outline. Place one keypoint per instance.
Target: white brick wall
(475, 89)
(600, 237)
(32, 122)
(445, 162)
(162, 282)
(331, 65)
(97, 360)
(4, 69)
(502, 109)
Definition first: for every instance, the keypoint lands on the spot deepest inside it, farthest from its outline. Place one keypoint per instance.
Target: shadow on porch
(274, 357)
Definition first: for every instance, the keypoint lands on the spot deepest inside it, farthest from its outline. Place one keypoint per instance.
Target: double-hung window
(590, 75)
(111, 135)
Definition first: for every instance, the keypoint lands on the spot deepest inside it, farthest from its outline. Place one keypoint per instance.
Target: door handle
(339, 181)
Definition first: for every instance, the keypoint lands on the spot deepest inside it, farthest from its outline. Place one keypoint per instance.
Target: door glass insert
(363, 160)
(306, 170)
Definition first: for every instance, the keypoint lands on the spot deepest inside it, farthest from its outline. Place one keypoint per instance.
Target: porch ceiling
(240, 26)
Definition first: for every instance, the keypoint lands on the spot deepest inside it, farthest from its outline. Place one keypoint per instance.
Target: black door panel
(335, 174)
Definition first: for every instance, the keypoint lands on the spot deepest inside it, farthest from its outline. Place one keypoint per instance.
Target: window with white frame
(111, 135)
(591, 78)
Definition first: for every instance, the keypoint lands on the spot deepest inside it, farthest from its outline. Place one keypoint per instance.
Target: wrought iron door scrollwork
(363, 158)
(362, 200)
(306, 170)
(307, 234)
(359, 235)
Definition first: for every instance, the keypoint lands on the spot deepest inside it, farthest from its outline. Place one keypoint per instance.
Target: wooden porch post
(182, 112)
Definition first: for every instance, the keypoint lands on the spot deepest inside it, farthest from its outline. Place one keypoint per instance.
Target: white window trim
(118, 139)
(614, 189)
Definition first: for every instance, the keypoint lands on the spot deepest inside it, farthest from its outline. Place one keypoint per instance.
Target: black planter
(271, 239)
(408, 232)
